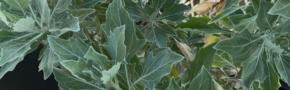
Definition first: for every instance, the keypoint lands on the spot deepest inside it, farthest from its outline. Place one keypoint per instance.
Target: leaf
(158, 33)
(6, 36)
(59, 6)
(82, 13)
(185, 50)
(265, 21)
(282, 66)
(283, 28)
(47, 62)
(173, 85)
(281, 7)
(71, 49)
(67, 81)
(90, 3)
(108, 75)
(241, 22)
(173, 13)
(222, 59)
(204, 7)
(97, 58)
(204, 58)
(77, 69)
(210, 39)
(9, 66)
(16, 49)
(255, 68)
(162, 4)
(274, 48)
(230, 3)
(271, 82)
(202, 81)
(155, 67)
(225, 13)
(216, 85)
(25, 25)
(174, 73)
(113, 20)
(3, 18)
(201, 23)
(43, 9)
(240, 46)
(115, 44)
(68, 23)
(18, 4)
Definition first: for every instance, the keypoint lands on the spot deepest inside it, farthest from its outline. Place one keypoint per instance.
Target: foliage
(150, 44)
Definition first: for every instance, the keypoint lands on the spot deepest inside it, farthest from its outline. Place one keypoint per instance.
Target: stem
(127, 76)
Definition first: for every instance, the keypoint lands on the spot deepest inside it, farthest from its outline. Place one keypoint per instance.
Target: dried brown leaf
(185, 50)
(204, 7)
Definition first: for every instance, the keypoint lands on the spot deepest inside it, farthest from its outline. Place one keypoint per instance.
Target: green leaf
(4, 19)
(255, 68)
(264, 20)
(97, 58)
(216, 85)
(173, 13)
(59, 6)
(6, 36)
(69, 23)
(43, 9)
(72, 49)
(67, 81)
(274, 48)
(256, 4)
(9, 66)
(158, 34)
(222, 59)
(15, 49)
(161, 4)
(114, 12)
(90, 3)
(225, 13)
(241, 22)
(108, 75)
(155, 67)
(230, 3)
(47, 61)
(82, 13)
(240, 46)
(201, 23)
(18, 4)
(281, 7)
(77, 69)
(271, 82)
(282, 66)
(283, 28)
(25, 25)
(173, 85)
(202, 81)
(204, 58)
(115, 44)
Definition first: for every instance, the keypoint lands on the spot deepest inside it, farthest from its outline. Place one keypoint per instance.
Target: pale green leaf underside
(97, 58)
(25, 25)
(108, 75)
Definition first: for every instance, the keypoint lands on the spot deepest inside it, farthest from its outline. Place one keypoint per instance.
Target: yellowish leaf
(174, 72)
(185, 50)
(204, 7)
(210, 39)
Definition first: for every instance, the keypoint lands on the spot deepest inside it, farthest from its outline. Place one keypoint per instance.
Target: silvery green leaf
(97, 58)
(69, 23)
(82, 13)
(4, 19)
(274, 48)
(9, 66)
(174, 13)
(256, 68)
(77, 68)
(230, 3)
(162, 4)
(71, 49)
(18, 4)
(202, 81)
(108, 75)
(225, 13)
(241, 22)
(173, 85)
(59, 6)
(43, 10)
(271, 82)
(283, 28)
(47, 62)
(115, 44)
(67, 81)
(17, 48)
(281, 7)
(282, 66)
(158, 33)
(25, 25)
(240, 46)
(113, 20)
(90, 3)
(6, 36)
(157, 66)
(264, 20)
